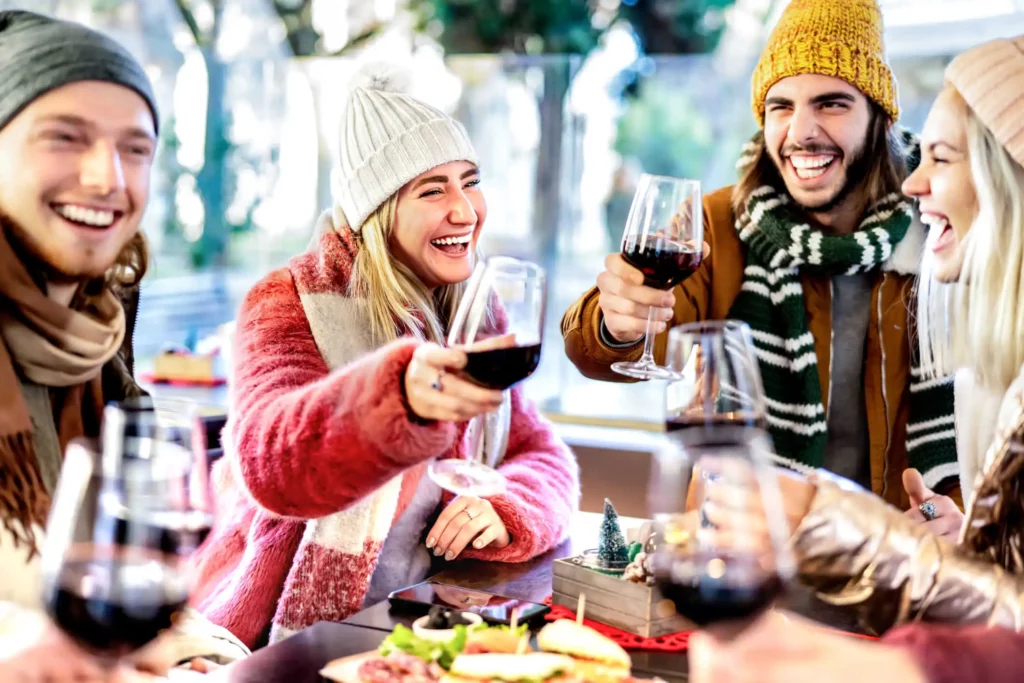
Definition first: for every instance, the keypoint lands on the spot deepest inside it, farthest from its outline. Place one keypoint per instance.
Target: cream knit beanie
(388, 138)
(990, 78)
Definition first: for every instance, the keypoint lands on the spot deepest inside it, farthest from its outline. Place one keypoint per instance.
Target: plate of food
(566, 652)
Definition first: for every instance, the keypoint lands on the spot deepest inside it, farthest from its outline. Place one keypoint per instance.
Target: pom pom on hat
(382, 76)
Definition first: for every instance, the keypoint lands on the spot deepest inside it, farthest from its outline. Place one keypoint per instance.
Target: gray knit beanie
(39, 54)
(388, 138)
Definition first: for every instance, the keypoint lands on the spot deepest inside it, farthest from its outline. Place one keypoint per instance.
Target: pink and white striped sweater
(322, 457)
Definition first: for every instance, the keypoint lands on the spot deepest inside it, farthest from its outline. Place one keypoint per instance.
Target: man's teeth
(807, 168)
(464, 239)
(811, 162)
(82, 214)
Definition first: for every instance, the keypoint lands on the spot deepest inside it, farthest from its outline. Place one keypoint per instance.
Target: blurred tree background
(660, 129)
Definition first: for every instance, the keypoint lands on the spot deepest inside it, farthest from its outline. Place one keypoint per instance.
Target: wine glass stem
(648, 357)
(477, 439)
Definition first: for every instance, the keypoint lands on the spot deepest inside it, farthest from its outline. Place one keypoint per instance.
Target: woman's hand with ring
(467, 519)
(944, 518)
(435, 392)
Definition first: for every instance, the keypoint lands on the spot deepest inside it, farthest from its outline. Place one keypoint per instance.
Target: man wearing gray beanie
(78, 132)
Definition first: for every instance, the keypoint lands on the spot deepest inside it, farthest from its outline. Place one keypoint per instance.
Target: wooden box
(628, 606)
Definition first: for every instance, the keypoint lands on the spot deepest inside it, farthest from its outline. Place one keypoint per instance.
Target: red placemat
(673, 642)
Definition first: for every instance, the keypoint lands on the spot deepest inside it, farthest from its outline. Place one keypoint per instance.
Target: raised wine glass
(500, 323)
(717, 574)
(126, 514)
(664, 240)
(716, 381)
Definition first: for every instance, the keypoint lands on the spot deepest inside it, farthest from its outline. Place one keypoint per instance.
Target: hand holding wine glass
(716, 442)
(435, 390)
(126, 514)
(663, 240)
(499, 327)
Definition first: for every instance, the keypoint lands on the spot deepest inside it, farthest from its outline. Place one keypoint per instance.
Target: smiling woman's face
(943, 185)
(437, 223)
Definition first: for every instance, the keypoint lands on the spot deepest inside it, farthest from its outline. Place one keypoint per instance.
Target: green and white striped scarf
(771, 301)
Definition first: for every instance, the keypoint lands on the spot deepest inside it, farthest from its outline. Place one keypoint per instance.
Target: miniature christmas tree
(611, 548)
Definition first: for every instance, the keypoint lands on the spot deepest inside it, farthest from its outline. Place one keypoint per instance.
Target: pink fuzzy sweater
(306, 442)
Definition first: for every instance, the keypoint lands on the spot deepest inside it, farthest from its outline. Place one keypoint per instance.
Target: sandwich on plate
(506, 668)
(497, 640)
(598, 659)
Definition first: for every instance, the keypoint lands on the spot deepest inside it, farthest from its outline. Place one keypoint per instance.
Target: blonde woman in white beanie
(343, 393)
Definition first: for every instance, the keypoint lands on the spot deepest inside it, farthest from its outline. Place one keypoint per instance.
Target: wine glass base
(638, 370)
(467, 478)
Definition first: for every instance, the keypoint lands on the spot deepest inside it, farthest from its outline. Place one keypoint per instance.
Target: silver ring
(927, 509)
(436, 386)
(468, 514)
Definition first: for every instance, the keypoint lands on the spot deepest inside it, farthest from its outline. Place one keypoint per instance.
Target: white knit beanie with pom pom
(388, 138)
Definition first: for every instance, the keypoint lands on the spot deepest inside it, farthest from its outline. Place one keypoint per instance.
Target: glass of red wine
(720, 565)
(500, 324)
(664, 240)
(126, 514)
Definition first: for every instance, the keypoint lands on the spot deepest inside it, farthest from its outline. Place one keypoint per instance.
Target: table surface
(300, 658)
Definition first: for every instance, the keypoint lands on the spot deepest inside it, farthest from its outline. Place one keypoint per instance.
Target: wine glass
(500, 323)
(728, 572)
(126, 514)
(664, 240)
(716, 381)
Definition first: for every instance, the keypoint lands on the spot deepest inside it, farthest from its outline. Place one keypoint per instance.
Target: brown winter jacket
(710, 293)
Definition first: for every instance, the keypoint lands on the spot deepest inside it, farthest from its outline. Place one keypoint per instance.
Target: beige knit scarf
(53, 346)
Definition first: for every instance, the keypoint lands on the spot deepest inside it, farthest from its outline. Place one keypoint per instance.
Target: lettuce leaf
(402, 639)
(520, 629)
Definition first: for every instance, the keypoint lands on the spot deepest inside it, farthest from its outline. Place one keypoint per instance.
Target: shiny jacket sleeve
(858, 551)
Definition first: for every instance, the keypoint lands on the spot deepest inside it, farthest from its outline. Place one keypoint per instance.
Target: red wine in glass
(709, 587)
(715, 429)
(113, 607)
(664, 263)
(664, 239)
(502, 368)
(171, 532)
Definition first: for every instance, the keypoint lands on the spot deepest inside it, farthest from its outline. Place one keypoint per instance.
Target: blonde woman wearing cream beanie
(344, 393)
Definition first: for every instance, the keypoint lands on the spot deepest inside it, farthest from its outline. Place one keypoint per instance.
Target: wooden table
(300, 658)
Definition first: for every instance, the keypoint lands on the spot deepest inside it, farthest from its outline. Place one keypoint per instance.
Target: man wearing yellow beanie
(816, 249)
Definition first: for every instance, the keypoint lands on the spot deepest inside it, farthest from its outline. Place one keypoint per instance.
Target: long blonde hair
(396, 299)
(978, 322)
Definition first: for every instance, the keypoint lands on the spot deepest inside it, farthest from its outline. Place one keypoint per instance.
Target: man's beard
(40, 270)
(856, 172)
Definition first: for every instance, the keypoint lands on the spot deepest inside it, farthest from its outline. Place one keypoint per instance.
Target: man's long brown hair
(884, 152)
(131, 264)
(125, 274)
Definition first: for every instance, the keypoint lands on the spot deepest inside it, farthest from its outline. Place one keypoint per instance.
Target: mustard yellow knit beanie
(841, 38)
